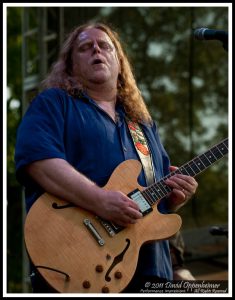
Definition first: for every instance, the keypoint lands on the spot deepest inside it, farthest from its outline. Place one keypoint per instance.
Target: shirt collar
(119, 108)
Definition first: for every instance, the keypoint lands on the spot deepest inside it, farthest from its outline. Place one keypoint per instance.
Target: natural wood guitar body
(58, 239)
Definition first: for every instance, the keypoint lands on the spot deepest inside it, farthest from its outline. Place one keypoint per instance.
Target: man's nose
(96, 47)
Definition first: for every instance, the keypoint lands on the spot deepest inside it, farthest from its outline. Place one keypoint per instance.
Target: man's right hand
(118, 208)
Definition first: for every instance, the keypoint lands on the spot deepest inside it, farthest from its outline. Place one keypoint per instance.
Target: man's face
(95, 58)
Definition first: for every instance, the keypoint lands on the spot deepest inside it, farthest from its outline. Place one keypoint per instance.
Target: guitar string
(152, 192)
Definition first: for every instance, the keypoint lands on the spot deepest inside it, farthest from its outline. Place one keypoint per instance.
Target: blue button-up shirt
(57, 125)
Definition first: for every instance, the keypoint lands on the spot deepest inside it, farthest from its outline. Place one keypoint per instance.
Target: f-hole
(117, 260)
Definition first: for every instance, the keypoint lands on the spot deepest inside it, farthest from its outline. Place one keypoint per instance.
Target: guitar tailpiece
(67, 277)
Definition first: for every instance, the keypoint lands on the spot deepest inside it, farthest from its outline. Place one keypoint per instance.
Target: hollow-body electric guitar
(78, 252)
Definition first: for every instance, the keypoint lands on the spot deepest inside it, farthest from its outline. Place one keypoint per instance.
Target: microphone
(216, 230)
(210, 34)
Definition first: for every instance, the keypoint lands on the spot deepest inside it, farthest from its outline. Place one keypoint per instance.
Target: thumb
(173, 168)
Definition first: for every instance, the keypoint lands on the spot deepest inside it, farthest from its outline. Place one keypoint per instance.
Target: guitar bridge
(94, 232)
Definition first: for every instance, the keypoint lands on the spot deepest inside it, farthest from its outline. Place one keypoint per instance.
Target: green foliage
(210, 204)
(14, 208)
(14, 83)
(14, 42)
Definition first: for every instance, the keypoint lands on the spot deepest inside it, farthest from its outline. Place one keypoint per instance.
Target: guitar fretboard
(159, 190)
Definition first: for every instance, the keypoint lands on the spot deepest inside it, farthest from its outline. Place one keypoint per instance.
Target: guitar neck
(159, 190)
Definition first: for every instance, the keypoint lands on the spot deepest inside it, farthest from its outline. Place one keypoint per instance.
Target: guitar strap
(143, 150)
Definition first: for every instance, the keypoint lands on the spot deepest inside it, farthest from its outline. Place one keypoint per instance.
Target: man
(75, 134)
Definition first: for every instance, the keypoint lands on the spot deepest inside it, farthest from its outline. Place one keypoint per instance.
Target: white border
(117, 4)
(5, 5)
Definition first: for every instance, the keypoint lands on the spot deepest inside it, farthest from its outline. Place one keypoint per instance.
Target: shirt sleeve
(41, 132)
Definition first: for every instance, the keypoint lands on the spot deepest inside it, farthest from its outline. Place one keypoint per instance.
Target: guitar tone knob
(108, 257)
(118, 275)
(105, 289)
(99, 268)
(86, 284)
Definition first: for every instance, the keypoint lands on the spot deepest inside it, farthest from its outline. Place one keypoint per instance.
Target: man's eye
(105, 46)
(102, 45)
(84, 47)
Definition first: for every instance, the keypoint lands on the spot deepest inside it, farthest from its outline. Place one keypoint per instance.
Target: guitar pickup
(144, 206)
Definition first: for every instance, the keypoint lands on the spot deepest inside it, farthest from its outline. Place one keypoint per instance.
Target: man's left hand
(183, 188)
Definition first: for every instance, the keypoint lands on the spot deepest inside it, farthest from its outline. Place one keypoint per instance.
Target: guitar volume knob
(118, 275)
(86, 284)
(105, 289)
(99, 268)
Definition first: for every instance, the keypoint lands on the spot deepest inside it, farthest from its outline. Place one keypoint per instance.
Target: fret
(159, 189)
(224, 145)
(161, 186)
(153, 193)
(183, 171)
(217, 153)
(188, 169)
(211, 157)
(205, 160)
(166, 189)
(199, 164)
(221, 150)
(148, 196)
(156, 191)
